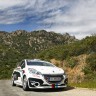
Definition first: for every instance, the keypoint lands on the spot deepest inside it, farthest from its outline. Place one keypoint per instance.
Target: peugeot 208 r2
(38, 74)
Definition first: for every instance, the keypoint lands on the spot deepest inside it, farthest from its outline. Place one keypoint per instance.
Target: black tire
(25, 84)
(12, 81)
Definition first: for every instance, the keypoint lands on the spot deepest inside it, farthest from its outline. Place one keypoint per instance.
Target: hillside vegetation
(21, 44)
(76, 57)
(61, 52)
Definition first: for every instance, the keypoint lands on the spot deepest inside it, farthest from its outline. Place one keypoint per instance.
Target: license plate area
(54, 79)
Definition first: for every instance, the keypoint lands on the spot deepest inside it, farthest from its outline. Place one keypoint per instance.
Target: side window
(22, 64)
(16, 75)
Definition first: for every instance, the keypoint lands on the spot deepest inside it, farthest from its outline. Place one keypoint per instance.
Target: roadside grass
(87, 84)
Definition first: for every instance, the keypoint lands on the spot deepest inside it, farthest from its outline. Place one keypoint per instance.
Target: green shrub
(71, 62)
(91, 61)
(90, 68)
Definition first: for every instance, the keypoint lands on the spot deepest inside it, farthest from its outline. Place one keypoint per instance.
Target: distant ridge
(34, 41)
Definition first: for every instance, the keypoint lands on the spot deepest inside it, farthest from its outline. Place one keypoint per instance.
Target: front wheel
(25, 84)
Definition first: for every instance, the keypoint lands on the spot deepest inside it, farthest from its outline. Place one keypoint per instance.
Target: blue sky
(77, 17)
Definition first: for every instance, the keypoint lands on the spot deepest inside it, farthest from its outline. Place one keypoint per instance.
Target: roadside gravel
(7, 90)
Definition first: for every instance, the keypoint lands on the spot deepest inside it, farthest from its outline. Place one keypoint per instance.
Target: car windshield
(32, 63)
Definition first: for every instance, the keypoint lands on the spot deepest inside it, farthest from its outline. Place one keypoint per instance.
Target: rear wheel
(12, 81)
(25, 84)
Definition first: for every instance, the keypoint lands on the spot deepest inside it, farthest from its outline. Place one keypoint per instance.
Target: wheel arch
(24, 76)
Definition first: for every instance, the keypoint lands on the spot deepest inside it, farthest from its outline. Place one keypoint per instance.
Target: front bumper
(42, 83)
(49, 86)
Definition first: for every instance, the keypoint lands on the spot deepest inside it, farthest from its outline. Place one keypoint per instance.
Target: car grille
(53, 79)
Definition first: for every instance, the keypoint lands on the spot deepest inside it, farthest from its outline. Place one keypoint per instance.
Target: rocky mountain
(33, 42)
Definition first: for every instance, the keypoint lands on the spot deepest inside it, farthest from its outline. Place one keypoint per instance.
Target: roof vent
(37, 60)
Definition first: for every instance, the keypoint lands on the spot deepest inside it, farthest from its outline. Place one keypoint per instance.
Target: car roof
(35, 60)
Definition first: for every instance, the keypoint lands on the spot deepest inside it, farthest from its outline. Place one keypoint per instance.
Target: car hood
(48, 70)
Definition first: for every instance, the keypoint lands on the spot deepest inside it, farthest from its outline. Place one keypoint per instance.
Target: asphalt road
(7, 90)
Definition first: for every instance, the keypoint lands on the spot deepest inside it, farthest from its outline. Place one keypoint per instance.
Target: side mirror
(18, 65)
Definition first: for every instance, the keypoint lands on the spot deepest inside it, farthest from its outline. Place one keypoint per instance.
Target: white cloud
(10, 3)
(19, 10)
(80, 18)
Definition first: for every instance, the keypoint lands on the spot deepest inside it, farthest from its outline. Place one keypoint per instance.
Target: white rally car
(38, 74)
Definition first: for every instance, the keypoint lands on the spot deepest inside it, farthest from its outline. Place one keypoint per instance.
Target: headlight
(34, 71)
(65, 76)
(64, 73)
